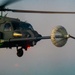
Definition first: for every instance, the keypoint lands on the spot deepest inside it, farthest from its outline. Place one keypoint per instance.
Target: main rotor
(8, 2)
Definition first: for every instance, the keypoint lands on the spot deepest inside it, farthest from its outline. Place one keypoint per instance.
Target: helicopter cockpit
(21, 25)
(7, 27)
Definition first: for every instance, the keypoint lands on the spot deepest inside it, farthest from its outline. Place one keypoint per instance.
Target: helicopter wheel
(20, 52)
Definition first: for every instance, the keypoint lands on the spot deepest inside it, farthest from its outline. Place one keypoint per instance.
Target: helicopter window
(7, 27)
(21, 25)
(24, 25)
(15, 25)
(30, 27)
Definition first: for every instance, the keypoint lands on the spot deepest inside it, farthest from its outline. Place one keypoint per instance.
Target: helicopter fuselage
(15, 29)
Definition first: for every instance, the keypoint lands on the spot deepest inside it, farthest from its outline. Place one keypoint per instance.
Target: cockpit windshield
(21, 25)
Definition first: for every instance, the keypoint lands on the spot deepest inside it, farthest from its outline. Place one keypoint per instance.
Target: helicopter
(19, 34)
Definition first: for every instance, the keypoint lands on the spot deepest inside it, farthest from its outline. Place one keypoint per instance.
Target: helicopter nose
(40, 35)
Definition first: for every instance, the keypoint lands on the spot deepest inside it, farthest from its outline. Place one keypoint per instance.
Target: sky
(44, 58)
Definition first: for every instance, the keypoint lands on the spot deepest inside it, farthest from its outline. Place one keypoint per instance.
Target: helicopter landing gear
(20, 52)
(25, 48)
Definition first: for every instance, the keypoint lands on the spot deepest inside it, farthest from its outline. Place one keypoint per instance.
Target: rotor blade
(42, 12)
(7, 2)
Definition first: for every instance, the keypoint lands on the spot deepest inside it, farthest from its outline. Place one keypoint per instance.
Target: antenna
(1, 13)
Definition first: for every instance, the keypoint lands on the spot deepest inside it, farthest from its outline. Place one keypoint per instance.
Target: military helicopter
(19, 34)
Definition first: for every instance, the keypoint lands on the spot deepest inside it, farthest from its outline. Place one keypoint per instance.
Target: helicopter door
(7, 31)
